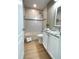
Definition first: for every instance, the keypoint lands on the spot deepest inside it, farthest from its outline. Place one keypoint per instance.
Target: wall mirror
(58, 17)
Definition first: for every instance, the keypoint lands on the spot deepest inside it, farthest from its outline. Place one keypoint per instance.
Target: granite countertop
(53, 32)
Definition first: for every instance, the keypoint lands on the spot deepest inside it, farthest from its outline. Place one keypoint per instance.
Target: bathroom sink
(40, 35)
(53, 32)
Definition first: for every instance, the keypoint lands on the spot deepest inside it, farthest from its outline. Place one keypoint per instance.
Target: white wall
(45, 17)
(45, 13)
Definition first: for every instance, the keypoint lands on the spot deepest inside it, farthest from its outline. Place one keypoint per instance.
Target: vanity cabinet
(52, 44)
(45, 40)
(53, 47)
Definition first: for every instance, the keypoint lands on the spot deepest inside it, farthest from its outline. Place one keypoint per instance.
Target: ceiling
(41, 4)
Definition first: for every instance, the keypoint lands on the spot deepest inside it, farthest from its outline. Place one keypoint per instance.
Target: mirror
(58, 17)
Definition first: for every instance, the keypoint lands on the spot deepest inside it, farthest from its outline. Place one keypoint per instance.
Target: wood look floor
(34, 50)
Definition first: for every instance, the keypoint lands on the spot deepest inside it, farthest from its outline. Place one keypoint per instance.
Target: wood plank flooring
(34, 50)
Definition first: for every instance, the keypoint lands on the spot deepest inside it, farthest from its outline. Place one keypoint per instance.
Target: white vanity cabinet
(53, 47)
(52, 44)
(45, 40)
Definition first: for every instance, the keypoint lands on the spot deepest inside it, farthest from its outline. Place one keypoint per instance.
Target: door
(20, 30)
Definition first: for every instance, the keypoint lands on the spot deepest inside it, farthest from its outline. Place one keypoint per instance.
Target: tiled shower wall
(32, 21)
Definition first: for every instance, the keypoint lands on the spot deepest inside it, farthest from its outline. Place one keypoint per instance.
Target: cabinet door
(20, 31)
(45, 39)
(53, 47)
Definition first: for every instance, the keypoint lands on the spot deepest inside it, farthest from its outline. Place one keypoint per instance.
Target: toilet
(40, 38)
